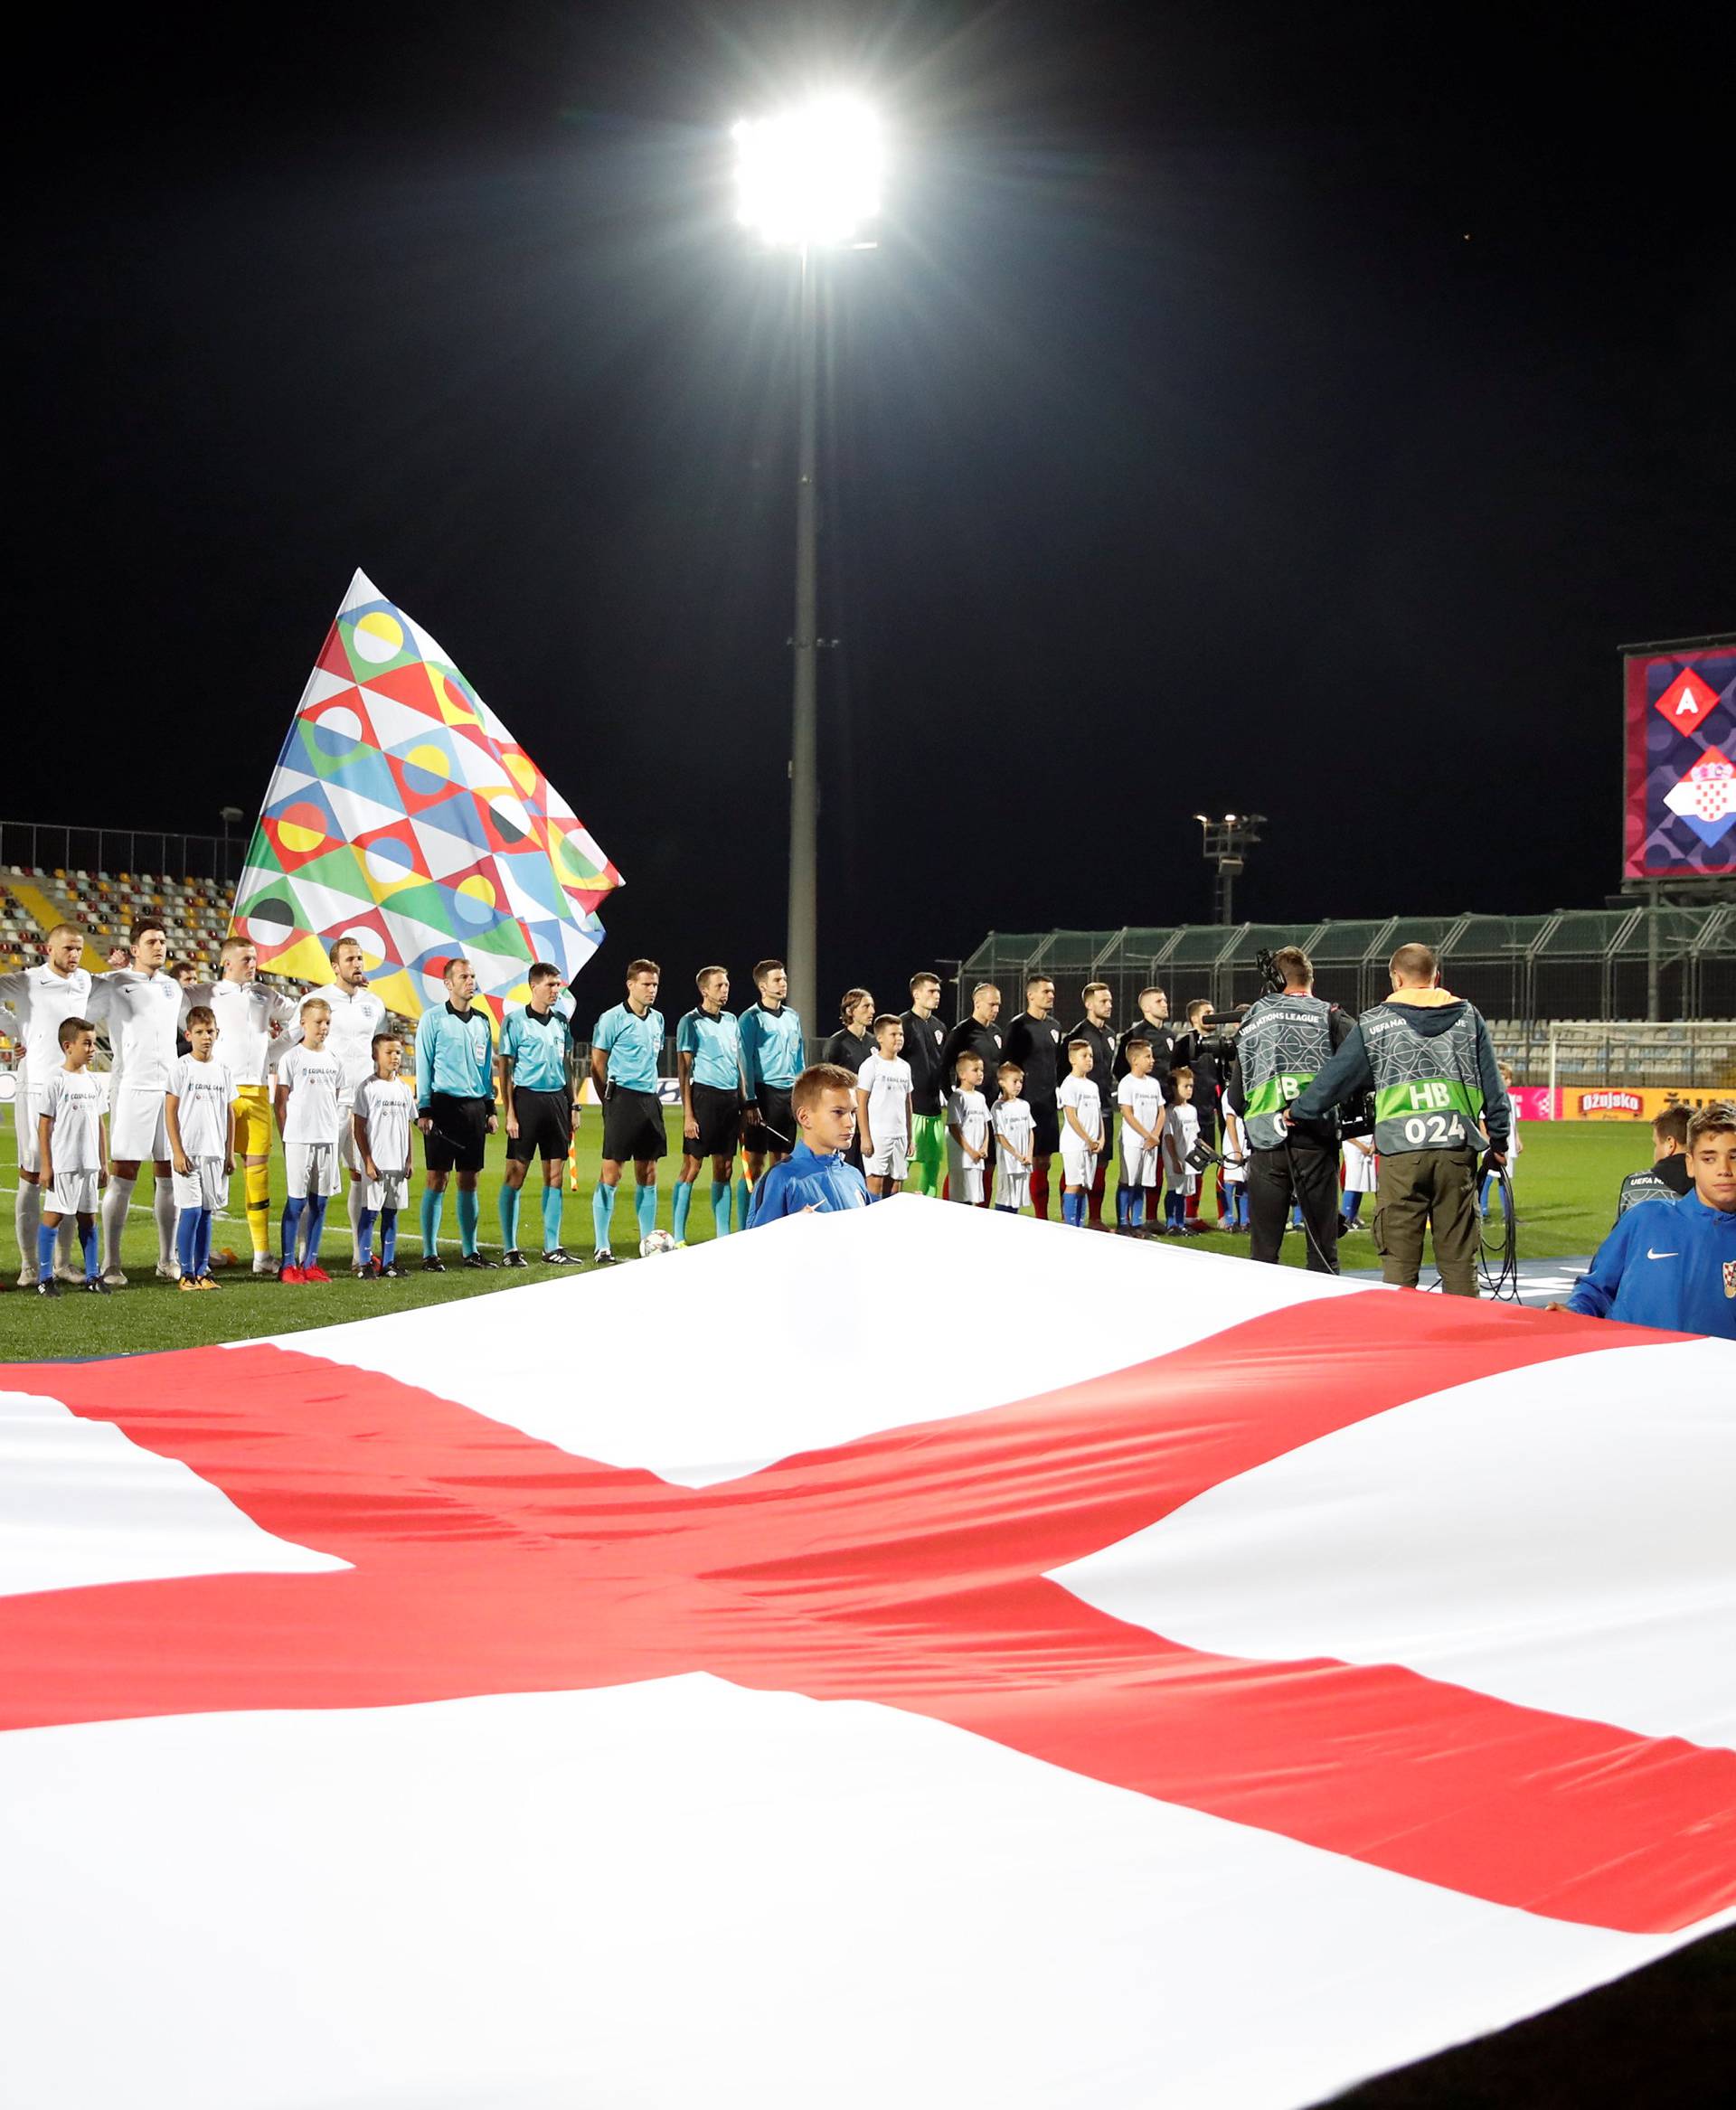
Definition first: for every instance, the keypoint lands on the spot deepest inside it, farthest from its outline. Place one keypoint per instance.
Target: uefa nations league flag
(1165, 1682)
(403, 814)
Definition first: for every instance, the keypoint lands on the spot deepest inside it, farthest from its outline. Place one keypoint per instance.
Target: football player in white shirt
(249, 1017)
(967, 1133)
(1016, 1138)
(310, 1089)
(142, 1005)
(201, 1145)
(1140, 1096)
(1080, 1107)
(41, 998)
(884, 1108)
(68, 1155)
(357, 1015)
(1181, 1133)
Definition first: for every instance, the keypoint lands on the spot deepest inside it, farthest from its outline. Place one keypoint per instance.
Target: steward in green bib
(1285, 1039)
(1426, 1055)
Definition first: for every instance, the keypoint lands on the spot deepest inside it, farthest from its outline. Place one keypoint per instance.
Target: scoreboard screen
(1681, 779)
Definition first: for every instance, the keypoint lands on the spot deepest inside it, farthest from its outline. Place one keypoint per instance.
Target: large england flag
(915, 1656)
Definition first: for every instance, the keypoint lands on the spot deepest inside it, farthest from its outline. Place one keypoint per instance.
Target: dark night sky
(1184, 453)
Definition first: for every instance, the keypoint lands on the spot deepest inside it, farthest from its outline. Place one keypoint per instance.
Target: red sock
(1154, 1205)
(1191, 1210)
(1097, 1179)
(1039, 1191)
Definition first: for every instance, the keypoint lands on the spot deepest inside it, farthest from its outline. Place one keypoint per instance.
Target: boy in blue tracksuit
(815, 1175)
(1673, 1264)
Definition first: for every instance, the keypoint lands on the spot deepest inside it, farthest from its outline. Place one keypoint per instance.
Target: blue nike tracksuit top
(1668, 1263)
(809, 1179)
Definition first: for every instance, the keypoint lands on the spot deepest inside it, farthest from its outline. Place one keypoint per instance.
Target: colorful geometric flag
(403, 814)
(1273, 1682)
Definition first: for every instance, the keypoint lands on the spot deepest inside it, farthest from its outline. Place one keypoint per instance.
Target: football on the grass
(658, 1241)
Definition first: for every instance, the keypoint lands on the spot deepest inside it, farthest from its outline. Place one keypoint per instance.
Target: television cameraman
(1425, 1054)
(1288, 1037)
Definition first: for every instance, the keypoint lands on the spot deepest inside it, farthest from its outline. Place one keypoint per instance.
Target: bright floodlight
(809, 178)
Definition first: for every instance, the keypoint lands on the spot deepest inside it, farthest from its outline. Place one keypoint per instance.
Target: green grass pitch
(1565, 1189)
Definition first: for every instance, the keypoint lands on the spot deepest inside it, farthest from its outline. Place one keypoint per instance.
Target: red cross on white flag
(1188, 1614)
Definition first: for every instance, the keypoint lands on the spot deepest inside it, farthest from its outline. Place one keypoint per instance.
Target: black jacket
(1035, 1044)
(988, 1042)
(849, 1050)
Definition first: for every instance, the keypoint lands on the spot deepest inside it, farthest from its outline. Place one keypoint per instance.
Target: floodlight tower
(1225, 842)
(808, 180)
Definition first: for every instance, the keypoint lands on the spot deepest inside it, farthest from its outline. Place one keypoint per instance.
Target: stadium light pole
(808, 180)
(1225, 843)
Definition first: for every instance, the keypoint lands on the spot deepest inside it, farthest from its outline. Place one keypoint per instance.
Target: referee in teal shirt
(455, 1110)
(708, 1061)
(539, 1093)
(625, 1050)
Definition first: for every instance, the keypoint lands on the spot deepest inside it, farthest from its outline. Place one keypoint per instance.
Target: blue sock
(364, 1238)
(553, 1199)
(45, 1251)
(1353, 1207)
(469, 1211)
(1136, 1206)
(1123, 1208)
(433, 1205)
(509, 1217)
(88, 1240)
(721, 1207)
(292, 1210)
(1173, 1205)
(683, 1203)
(644, 1201)
(1482, 1191)
(316, 1221)
(1070, 1206)
(202, 1246)
(602, 1207)
(186, 1228)
(388, 1237)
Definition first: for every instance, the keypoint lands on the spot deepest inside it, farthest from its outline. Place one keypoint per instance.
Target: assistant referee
(455, 1109)
(539, 1093)
(625, 1050)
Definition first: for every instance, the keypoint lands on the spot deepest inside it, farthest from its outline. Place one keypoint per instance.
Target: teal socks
(683, 1203)
(469, 1210)
(552, 1198)
(509, 1217)
(721, 1207)
(602, 1207)
(644, 1201)
(433, 1207)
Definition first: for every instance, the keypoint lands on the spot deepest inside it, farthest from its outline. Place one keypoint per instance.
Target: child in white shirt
(1080, 1107)
(1181, 1133)
(310, 1082)
(382, 1116)
(200, 1115)
(1140, 1096)
(1235, 1169)
(967, 1133)
(70, 1156)
(1015, 1132)
(884, 1110)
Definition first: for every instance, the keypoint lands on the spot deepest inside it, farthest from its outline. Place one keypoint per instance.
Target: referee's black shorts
(544, 1126)
(632, 1125)
(460, 1136)
(719, 1115)
(773, 1103)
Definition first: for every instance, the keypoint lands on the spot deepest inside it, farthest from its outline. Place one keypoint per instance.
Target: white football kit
(1181, 1133)
(1078, 1159)
(357, 1015)
(1235, 1149)
(246, 1015)
(967, 1112)
(315, 1077)
(41, 1001)
(142, 1011)
(1143, 1097)
(1014, 1131)
(887, 1082)
(388, 1105)
(72, 1100)
(201, 1093)
(1360, 1166)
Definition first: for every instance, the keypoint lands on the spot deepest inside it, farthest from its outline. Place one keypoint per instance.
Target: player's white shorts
(390, 1190)
(965, 1180)
(1012, 1182)
(890, 1160)
(1078, 1164)
(139, 1124)
(72, 1194)
(204, 1187)
(310, 1168)
(26, 1111)
(1142, 1164)
(348, 1155)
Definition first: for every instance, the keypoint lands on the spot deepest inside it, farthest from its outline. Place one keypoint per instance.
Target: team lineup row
(736, 1079)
